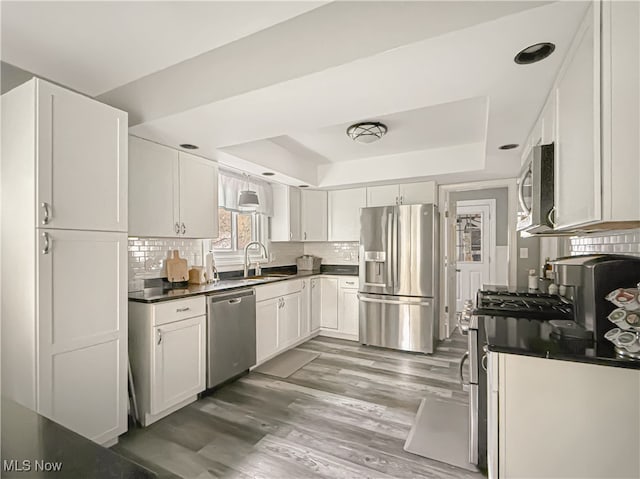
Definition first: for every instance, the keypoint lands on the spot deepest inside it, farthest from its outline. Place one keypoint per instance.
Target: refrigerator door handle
(394, 251)
(366, 299)
(391, 258)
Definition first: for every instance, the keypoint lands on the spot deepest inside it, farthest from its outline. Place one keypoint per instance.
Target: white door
(289, 320)
(266, 328)
(305, 304)
(314, 215)
(82, 332)
(82, 162)
(316, 303)
(348, 311)
(178, 362)
(475, 247)
(382, 195)
(198, 197)
(329, 300)
(344, 213)
(418, 193)
(153, 189)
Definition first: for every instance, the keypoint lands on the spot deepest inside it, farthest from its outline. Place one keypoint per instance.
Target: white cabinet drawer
(348, 283)
(281, 288)
(170, 311)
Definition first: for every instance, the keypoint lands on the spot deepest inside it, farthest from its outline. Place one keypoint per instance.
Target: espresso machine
(589, 279)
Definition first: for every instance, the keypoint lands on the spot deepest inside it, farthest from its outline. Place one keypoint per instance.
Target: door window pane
(469, 237)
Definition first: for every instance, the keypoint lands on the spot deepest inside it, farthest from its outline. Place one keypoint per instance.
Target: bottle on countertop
(553, 288)
(532, 280)
(547, 270)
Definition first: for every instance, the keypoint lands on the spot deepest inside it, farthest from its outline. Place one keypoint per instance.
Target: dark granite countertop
(533, 337)
(30, 440)
(163, 291)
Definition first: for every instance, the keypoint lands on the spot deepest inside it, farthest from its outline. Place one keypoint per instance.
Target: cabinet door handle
(47, 213)
(305, 235)
(177, 228)
(183, 229)
(350, 282)
(304, 285)
(401, 199)
(159, 336)
(182, 310)
(47, 243)
(290, 235)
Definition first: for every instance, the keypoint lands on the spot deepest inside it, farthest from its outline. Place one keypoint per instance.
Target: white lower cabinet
(305, 307)
(339, 310)
(281, 321)
(289, 320)
(551, 418)
(167, 350)
(179, 363)
(266, 328)
(316, 303)
(329, 300)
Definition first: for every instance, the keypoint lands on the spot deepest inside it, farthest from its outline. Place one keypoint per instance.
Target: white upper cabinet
(595, 124)
(314, 215)
(404, 194)
(418, 193)
(172, 193)
(82, 162)
(344, 214)
(285, 222)
(153, 189)
(382, 195)
(577, 164)
(198, 197)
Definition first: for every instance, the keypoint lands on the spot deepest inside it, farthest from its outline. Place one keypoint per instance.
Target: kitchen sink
(270, 276)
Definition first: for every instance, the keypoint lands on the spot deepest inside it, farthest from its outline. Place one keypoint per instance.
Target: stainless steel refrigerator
(398, 277)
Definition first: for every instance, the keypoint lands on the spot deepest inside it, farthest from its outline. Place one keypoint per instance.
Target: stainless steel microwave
(535, 191)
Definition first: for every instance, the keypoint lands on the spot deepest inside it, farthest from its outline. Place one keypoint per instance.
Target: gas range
(523, 305)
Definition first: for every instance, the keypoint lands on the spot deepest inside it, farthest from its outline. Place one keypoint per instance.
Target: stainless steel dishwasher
(231, 335)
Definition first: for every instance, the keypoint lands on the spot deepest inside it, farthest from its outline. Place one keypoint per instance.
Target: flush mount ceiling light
(248, 199)
(188, 146)
(366, 132)
(268, 173)
(534, 53)
(508, 146)
(303, 186)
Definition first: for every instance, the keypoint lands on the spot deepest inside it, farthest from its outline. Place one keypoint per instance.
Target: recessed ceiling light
(268, 173)
(534, 53)
(508, 146)
(303, 186)
(189, 146)
(367, 132)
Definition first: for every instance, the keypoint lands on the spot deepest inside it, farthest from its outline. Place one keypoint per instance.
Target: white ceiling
(438, 126)
(275, 84)
(95, 46)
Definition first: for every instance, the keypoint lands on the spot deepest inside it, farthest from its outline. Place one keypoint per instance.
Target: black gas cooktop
(523, 305)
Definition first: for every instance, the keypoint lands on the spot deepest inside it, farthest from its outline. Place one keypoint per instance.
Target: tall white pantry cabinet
(64, 258)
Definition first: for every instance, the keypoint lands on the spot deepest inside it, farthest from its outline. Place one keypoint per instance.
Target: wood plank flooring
(344, 415)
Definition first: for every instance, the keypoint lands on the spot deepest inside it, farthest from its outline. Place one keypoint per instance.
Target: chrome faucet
(246, 257)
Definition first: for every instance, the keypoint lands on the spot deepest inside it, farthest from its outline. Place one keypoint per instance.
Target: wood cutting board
(177, 269)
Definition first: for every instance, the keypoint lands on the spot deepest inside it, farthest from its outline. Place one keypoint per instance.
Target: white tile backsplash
(147, 255)
(334, 253)
(623, 242)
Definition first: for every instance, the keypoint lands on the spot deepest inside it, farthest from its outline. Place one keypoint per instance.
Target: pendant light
(248, 199)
